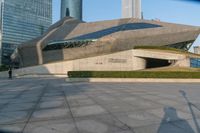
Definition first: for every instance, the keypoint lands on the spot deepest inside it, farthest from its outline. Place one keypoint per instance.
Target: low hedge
(133, 74)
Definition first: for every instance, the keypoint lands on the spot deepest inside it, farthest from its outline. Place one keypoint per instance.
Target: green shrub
(133, 74)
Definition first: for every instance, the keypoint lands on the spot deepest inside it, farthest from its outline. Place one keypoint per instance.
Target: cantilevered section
(71, 39)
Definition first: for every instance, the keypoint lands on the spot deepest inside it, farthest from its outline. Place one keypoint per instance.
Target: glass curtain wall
(23, 20)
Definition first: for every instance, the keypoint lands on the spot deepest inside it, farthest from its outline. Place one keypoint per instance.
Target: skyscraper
(131, 9)
(20, 21)
(72, 8)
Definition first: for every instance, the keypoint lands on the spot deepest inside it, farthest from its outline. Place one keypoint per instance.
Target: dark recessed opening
(154, 63)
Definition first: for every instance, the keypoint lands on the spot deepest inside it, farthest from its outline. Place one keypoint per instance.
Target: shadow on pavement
(169, 125)
(191, 106)
(3, 131)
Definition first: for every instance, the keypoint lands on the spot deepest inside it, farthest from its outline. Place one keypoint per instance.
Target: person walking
(10, 72)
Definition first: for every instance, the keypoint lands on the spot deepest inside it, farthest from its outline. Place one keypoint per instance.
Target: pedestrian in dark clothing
(10, 73)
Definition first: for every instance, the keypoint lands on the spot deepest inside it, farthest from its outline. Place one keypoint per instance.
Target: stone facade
(129, 60)
(65, 40)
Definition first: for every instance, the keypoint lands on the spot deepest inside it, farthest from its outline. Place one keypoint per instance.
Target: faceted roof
(78, 39)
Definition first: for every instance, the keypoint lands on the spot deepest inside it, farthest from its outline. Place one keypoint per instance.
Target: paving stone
(137, 118)
(130, 99)
(2, 97)
(24, 100)
(52, 98)
(171, 96)
(53, 94)
(118, 107)
(13, 117)
(77, 97)
(194, 123)
(168, 102)
(51, 104)
(170, 113)
(2, 102)
(88, 110)
(90, 126)
(101, 124)
(18, 107)
(54, 126)
(51, 114)
(190, 109)
(15, 128)
(98, 107)
(81, 102)
(106, 99)
(151, 97)
(144, 104)
(162, 128)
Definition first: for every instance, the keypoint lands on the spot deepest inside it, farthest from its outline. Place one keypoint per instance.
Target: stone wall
(121, 61)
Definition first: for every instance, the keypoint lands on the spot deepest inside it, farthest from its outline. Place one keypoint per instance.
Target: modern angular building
(131, 9)
(113, 45)
(72, 8)
(22, 20)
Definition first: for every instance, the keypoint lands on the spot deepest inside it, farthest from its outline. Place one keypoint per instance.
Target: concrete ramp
(158, 54)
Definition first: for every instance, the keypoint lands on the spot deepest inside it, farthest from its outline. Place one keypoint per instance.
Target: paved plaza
(44, 105)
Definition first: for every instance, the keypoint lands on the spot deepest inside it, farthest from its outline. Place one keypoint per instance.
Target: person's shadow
(171, 123)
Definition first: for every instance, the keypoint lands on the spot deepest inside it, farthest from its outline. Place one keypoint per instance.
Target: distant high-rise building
(72, 8)
(197, 49)
(20, 21)
(131, 9)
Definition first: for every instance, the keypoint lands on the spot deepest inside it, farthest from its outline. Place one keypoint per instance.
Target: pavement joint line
(11, 123)
(143, 109)
(14, 123)
(79, 117)
(68, 105)
(35, 106)
(47, 119)
(128, 103)
(148, 100)
(113, 117)
(93, 90)
(4, 105)
(28, 110)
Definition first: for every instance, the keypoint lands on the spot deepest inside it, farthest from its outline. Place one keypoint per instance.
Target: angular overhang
(71, 39)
